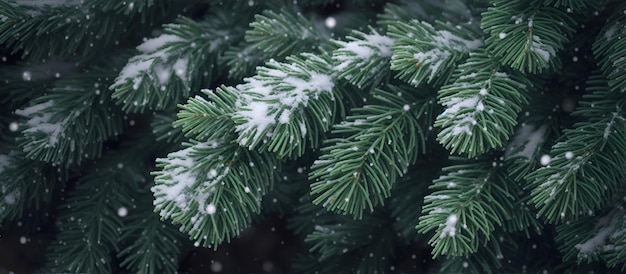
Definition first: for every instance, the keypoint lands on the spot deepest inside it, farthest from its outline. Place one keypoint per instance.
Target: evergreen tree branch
(171, 65)
(337, 243)
(526, 35)
(211, 188)
(363, 59)
(406, 197)
(423, 53)
(537, 129)
(274, 36)
(480, 262)
(360, 166)
(69, 124)
(610, 49)
(163, 130)
(580, 6)
(26, 185)
(151, 246)
(467, 205)
(430, 11)
(89, 222)
(481, 106)
(285, 105)
(585, 168)
(204, 119)
(597, 236)
(74, 29)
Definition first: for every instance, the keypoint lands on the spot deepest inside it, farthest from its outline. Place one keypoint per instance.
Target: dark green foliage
(488, 134)
(68, 30)
(92, 220)
(69, 123)
(526, 35)
(482, 105)
(476, 196)
(359, 170)
(587, 163)
(231, 192)
(426, 53)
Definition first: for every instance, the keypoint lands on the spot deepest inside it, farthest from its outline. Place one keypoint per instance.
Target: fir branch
(274, 36)
(481, 106)
(585, 167)
(429, 11)
(342, 242)
(597, 236)
(285, 105)
(358, 168)
(89, 222)
(424, 53)
(242, 59)
(26, 185)
(69, 124)
(211, 188)
(537, 129)
(152, 246)
(70, 29)
(363, 59)
(526, 35)
(467, 205)
(280, 34)
(203, 119)
(163, 130)
(610, 49)
(579, 6)
(253, 140)
(480, 262)
(171, 65)
(22, 82)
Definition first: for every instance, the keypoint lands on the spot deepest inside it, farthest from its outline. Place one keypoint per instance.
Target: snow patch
(273, 96)
(183, 184)
(158, 43)
(462, 121)
(42, 120)
(527, 137)
(157, 60)
(360, 50)
(543, 50)
(605, 227)
(445, 43)
(450, 226)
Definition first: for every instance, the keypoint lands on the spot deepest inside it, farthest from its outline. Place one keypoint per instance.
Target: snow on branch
(427, 53)
(526, 37)
(211, 188)
(281, 104)
(363, 59)
(584, 170)
(481, 106)
(526, 141)
(170, 65)
(41, 119)
(466, 206)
